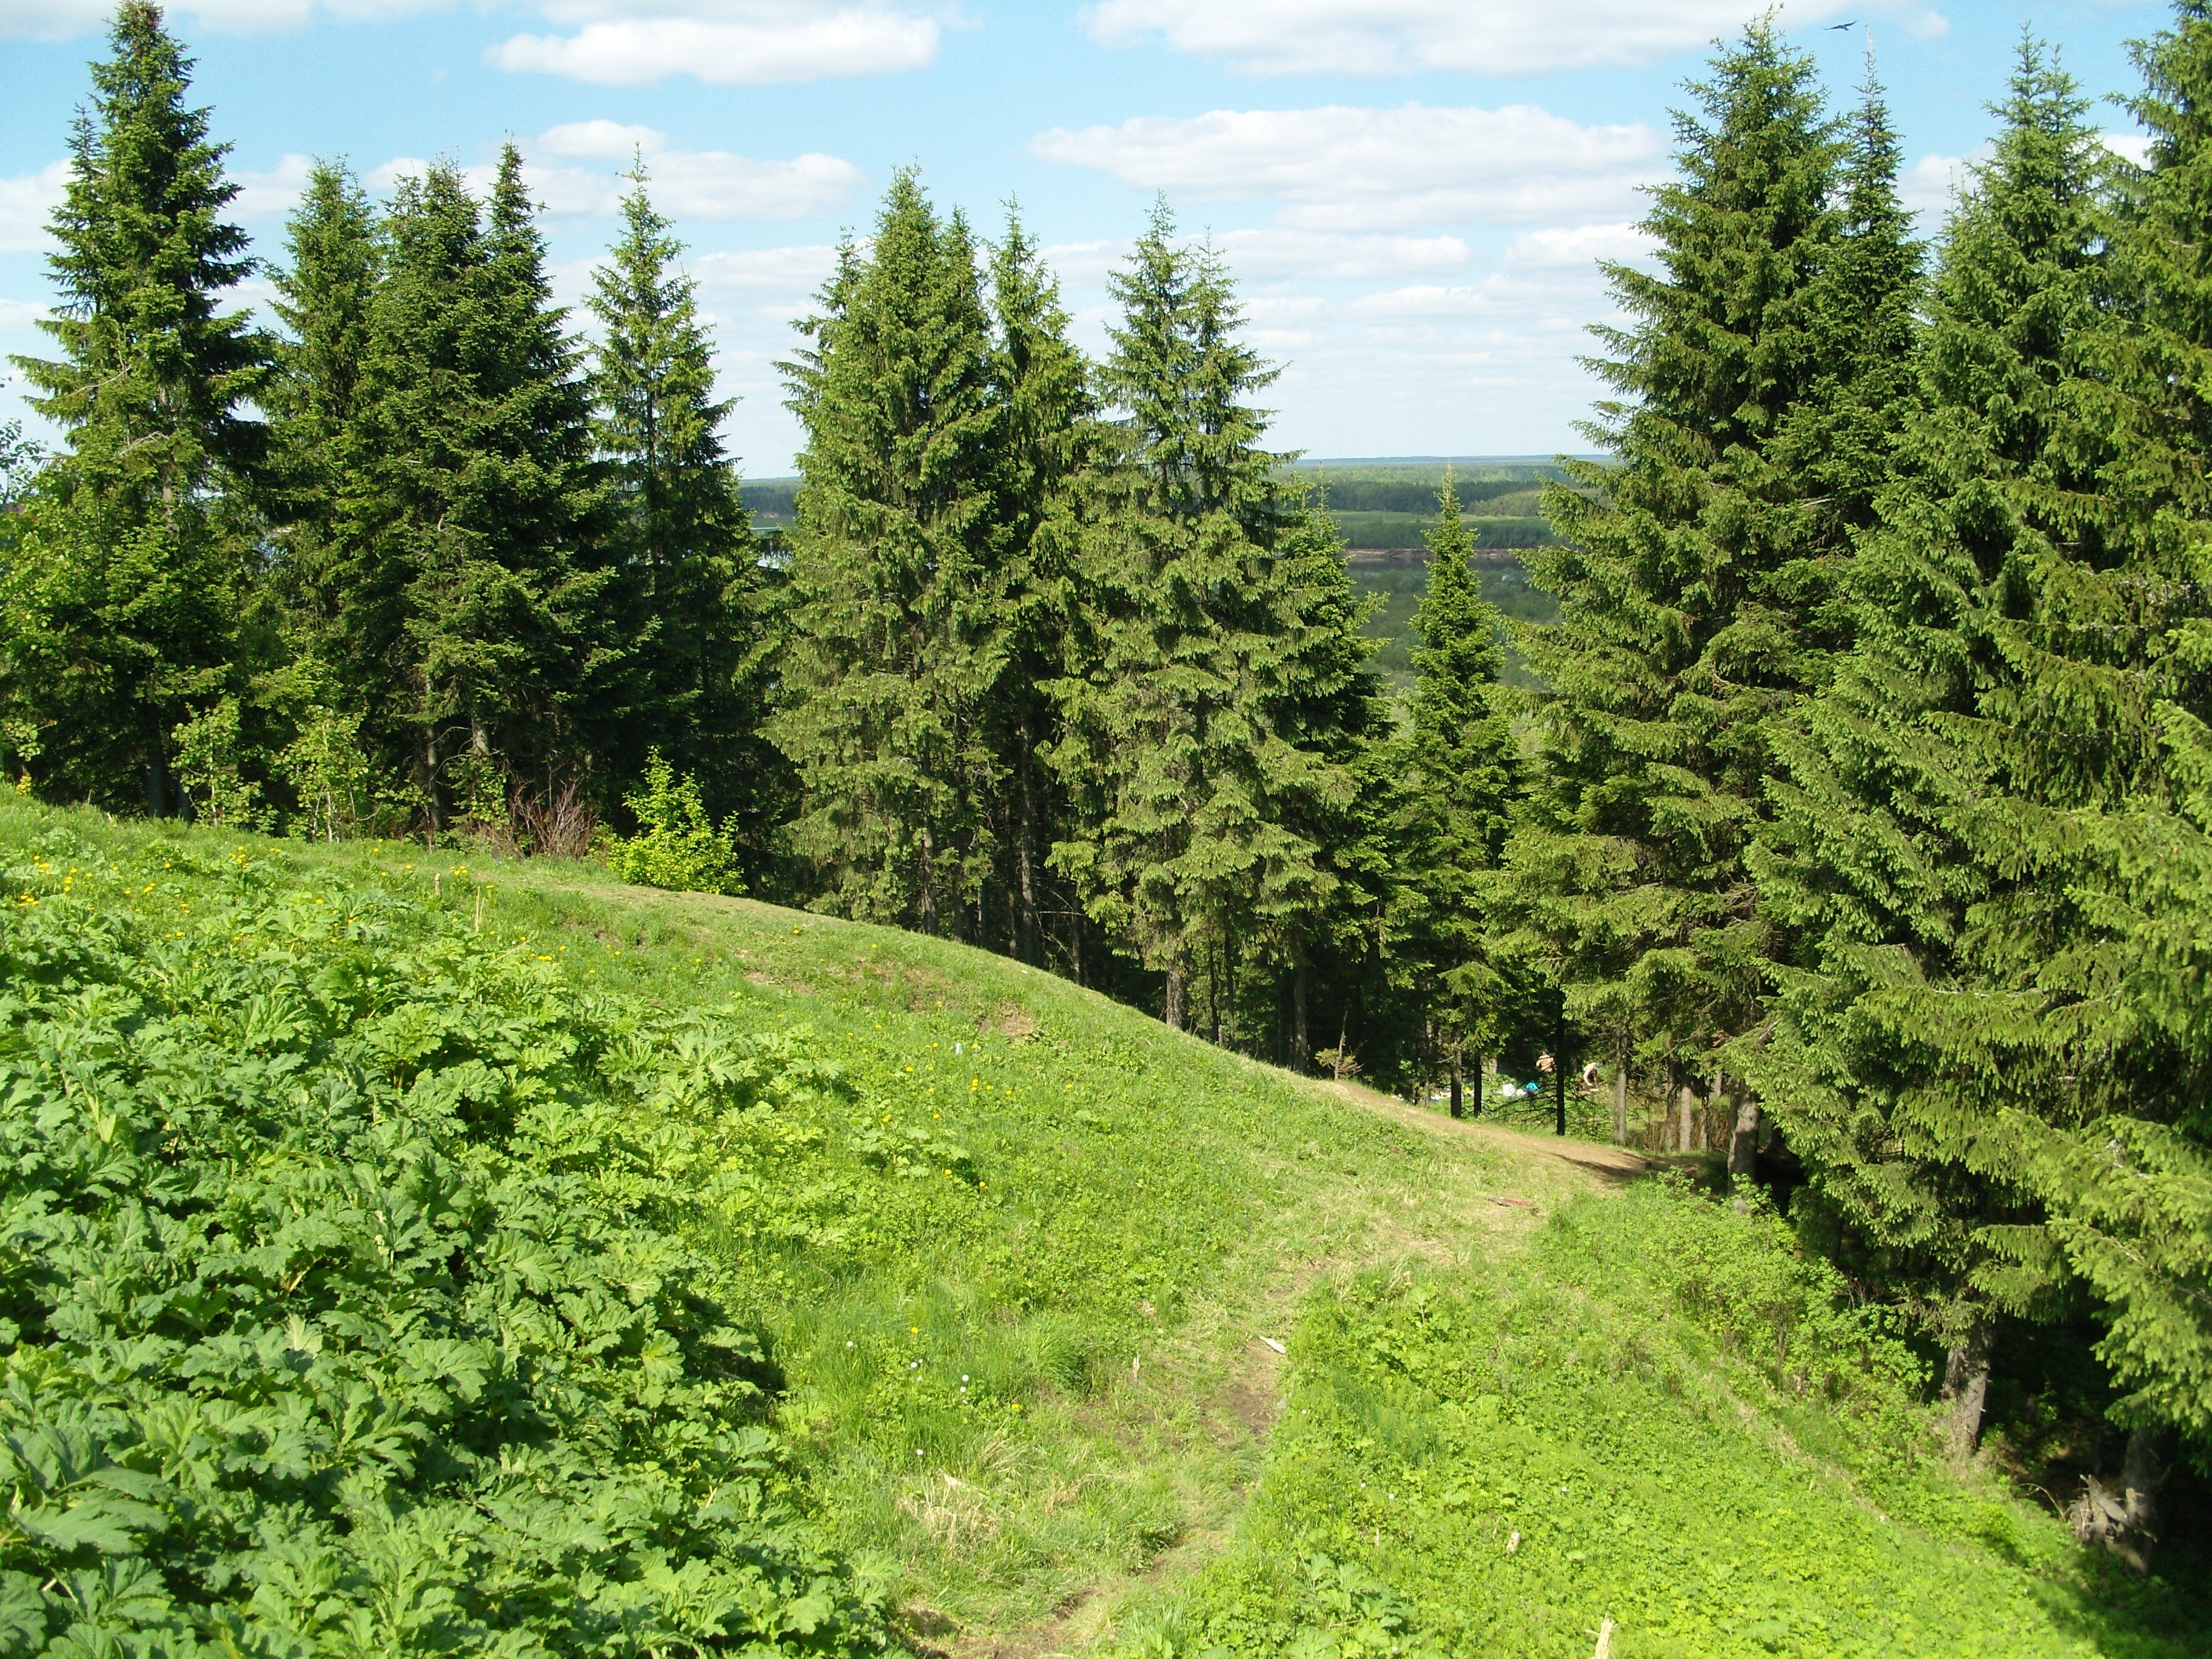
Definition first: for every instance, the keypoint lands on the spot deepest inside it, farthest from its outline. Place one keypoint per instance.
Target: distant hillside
(1385, 507)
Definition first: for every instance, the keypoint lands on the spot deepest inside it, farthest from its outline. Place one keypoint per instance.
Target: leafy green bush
(345, 1293)
(677, 845)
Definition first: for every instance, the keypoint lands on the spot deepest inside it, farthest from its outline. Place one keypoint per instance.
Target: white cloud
(1277, 252)
(1482, 36)
(726, 42)
(26, 203)
(1344, 168)
(600, 141)
(269, 195)
(62, 20)
(714, 184)
(777, 273)
(1569, 246)
(2132, 146)
(686, 184)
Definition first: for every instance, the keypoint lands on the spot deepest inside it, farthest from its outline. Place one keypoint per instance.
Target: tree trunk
(1686, 1111)
(1452, 1060)
(2125, 1522)
(1966, 1387)
(1743, 1144)
(1301, 1028)
(431, 787)
(1559, 1069)
(157, 794)
(1173, 1011)
(1027, 930)
(1620, 1093)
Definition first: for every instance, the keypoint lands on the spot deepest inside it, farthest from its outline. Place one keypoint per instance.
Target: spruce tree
(474, 631)
(1912, 844)
(1460, 773)
(1693, 573)
(122, 612)
(895, 639)
(1219, 677)
(1047, 434)
(2106, 735)
(325, 294)
(687, 580)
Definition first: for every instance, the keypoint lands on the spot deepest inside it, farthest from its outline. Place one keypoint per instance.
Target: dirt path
(1220, 1377)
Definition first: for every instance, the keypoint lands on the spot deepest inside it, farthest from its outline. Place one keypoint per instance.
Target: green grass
(1006, 1256)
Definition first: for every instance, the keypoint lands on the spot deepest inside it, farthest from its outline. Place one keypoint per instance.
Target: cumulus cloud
(1572, 246)
(1347, 168)
(605, 42)
(2133, 146)
(773, 273)
(62, 20)
(26, 203)
(269, 195)
(724, 42)
(1482, 36)
(686, 184)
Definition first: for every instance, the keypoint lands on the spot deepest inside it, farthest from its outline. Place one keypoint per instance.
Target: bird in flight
(1838, 28)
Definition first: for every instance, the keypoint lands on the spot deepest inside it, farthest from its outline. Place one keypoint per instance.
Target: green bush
(344, 1291)
(677, 845)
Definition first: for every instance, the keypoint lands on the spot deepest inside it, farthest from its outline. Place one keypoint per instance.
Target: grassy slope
(1018, 1274)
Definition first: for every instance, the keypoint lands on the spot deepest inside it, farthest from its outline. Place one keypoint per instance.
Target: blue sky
(1412, 193)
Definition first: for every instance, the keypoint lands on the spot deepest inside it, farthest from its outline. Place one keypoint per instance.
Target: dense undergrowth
(348, 1302)
(1661, 1415)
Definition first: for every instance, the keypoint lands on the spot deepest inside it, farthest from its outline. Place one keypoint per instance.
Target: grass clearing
(1010, 1259)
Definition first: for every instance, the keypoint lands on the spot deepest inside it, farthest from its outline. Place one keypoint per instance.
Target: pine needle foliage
(472, 630)
(1460, 775)
(1049, 441)
(1917, 817)
(688, 589)
(1697, 568)
(1221, 674)
(895, 646)
(123, 610)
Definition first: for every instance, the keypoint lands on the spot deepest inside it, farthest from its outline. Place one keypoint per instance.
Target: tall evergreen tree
(474, 628)
(1912, 850)
(688, 582)
(1221, 661)
(1694, 575)
(1049, 433)
(122, 611)
(325, 294)
(1458, 764)
(896, 640)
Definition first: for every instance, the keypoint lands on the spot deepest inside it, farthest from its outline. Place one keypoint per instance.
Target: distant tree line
(1861, 819)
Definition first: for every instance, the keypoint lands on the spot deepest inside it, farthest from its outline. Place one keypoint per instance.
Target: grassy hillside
(410, 1253)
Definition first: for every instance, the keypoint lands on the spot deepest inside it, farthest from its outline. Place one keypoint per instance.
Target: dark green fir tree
(1918, 820)
(896, 647)
(687, 583)
(121, 613)
(1046, 442)
(475, 627)
(1460, 774)
(325, 292)
(1694, 575)
(1219, 675)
